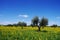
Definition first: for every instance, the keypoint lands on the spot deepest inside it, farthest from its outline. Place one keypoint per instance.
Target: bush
(54, 25)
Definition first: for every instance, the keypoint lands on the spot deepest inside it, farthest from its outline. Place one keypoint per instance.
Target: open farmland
(29, 33)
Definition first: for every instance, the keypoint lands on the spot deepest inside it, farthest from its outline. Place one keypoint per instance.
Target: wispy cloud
(58, 17)
(25, 16)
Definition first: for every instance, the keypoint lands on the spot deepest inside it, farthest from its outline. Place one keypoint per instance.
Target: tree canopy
(43, 22)
(35, 21)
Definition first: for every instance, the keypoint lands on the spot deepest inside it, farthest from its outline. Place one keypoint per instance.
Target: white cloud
(58, 17)
(25, 16)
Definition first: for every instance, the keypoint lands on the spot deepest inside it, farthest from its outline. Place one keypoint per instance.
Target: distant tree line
(54, 25)
(18, 24)
(35, 22)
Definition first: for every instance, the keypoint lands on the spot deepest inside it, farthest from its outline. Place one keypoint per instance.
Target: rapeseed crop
(29, 33)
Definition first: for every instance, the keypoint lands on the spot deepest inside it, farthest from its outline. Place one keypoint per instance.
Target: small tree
(19, 23)
(24, 24)
(14, 24)
(10, 25)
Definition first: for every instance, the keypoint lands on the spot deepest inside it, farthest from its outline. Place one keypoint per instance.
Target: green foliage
(9, 25)
(35, 21)
(44, 22)
(21, 24)
(18, 24)
(15, 25)
(28, 35)
(54, 25)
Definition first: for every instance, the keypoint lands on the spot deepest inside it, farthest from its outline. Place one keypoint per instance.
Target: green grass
(28, 33)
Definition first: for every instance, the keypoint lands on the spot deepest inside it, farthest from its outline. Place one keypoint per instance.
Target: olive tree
(35, 21)
(43, 22)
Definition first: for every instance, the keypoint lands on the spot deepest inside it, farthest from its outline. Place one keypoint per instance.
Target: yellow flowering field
(29, 33)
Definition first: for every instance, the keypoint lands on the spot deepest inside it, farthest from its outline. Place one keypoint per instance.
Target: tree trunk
(39, 28)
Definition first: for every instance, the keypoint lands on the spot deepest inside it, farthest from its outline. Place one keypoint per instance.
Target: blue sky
(13, 11)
